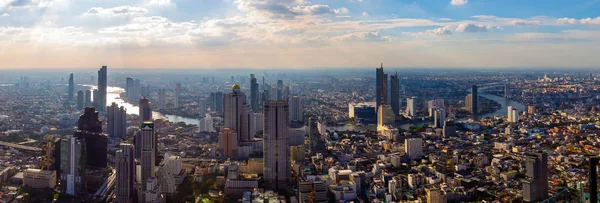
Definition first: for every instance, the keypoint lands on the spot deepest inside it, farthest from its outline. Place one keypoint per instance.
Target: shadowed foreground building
(89, 128)
(276, 151)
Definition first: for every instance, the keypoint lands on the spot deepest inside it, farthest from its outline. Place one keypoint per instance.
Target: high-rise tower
(535, 187)
(395, 93)
(474, 100)
(276, 152)
(80, 100)
(381, 87)
(71, 87)
(145, 111)
(102, 86)
(148, 154)
(116, 121)
(254, 93)
(89, 128)
(235, 113)
(125, 169)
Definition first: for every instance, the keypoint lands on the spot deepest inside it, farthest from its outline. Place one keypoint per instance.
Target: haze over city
(298, 33)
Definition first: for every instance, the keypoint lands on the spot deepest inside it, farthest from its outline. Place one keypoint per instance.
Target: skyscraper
(228, 143)
(89, 128)
(276, 151)
(439, 115)
(216, 102)
(73, 166)
(381, 87)
(148, 156)
(88, 98)
(145, 111)
(130, 89)
(535, 187)
(176, 96)
(411, 107)
(96, 96)
(125, 169)
(254, 93)
(80, 100)
(296, 109)
(102, 85)
(71, 87)
(162, 105)
(116, 121)
(279, 89)
(202, 108)
(235, 113)
(395, 93)
(474, 100)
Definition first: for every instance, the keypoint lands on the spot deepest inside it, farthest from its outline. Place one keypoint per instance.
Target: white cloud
(459, 2)
(341, 11)
(526, 22)
(5, 15)
(117, 11)
(363, 36)
(365, 14)
(470, 27)
(584, 21)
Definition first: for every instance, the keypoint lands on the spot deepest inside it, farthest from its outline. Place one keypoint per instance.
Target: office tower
(313, 134)
(235, 113)
(439, 117)
(274, 93)
(148, 154)
(80, 100)
(296, 109)
(89, 128)
(72, 167)
(96, 96)
(125, 170)
(468, 100)
(535, 187)
(145, 111)
(71, 87)
(228, 142)
(202, 108)
(279, 89)
(102, 85)
(88, 98)
(385, 115)
(177, 92)
(474, 100)
(254, 93)
(116, 124)
(413, 148)
(162, 105)
(206, 124)
(509, 115)
(432, 104)
(515, 116)
(411, 107)
(216, 102)
(130, 89)
(275, 148)
(136, 90)
(395, 93)
(381, 87)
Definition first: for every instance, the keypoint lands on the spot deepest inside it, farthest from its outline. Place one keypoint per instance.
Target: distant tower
(296, 109)
(202, 108)
(276, 151)
(235, 113)
(474, 100)
(439, 117)
(88, 98)
(254, 93)
(129, 89)
(116, 121)
(148, 156)
(535, 187)
(71, 87)
(381, 87)
(506, 89)
(102, 86)
(177, 92)
(395, 93)
(162, 105)
(279, 89)
(89, 128)
(80, 100)
(411, 107)
(125, 170)
(145, 111)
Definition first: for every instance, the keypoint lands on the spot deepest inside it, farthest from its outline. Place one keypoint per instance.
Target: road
(18, 146)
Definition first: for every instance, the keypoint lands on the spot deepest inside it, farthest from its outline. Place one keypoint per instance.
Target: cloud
(12, 4)
(160, 2)
(363, 36)
(470, 27)
(359, 1)
(341, 11)
(286, 9)
(5, 15)
(584, 21)
(365, 14)
(525, 22)
(116, 11)
(459, 2)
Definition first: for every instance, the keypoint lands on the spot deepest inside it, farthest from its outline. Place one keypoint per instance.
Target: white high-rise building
(206, 124)
(116, 124)
(148, 152)
(296, 109)
(439, 117)
(509, 116)
(515, 116)
(162, 105)
(275, 148)
(411, 107)
(124, 163)
(413, 148)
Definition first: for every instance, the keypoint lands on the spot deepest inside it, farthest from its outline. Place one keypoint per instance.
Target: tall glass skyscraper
(71, 87)
(395, 93)
(102, 85)
(254, 93)
(381, 87)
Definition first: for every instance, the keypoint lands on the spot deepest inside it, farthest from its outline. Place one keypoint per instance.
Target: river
(113, 95)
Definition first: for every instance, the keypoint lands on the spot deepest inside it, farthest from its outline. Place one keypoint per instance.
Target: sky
(490, 34)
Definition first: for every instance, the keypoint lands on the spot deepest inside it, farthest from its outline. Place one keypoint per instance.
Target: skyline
(268, 34)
